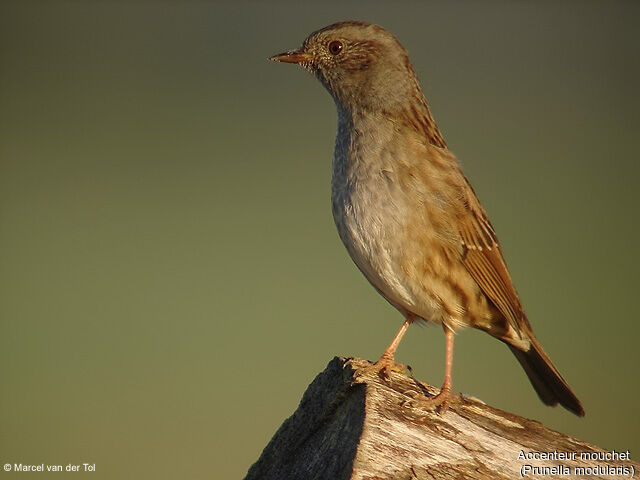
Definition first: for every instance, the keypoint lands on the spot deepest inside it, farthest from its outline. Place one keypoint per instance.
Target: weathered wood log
(355, 425)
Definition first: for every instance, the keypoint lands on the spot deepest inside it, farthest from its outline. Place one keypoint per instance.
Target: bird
(407, 215)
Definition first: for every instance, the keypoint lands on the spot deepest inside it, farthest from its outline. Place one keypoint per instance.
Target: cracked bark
(351, 425)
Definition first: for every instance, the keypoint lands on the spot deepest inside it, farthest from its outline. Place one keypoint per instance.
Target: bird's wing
(483, 259)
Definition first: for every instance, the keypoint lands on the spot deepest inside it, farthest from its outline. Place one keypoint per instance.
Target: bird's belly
(372, 226)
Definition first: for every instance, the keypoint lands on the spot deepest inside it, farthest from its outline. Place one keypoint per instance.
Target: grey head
(363, 66)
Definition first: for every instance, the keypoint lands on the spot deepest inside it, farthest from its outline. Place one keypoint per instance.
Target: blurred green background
(170, 276)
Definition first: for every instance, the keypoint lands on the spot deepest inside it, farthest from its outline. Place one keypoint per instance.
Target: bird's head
(362, 65)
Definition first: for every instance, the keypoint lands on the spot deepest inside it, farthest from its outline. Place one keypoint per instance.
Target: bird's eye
(335, 47)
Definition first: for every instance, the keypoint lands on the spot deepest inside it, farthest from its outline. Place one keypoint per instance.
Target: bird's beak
(294, 56)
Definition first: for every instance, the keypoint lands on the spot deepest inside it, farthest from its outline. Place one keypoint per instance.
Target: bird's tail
(545, 378)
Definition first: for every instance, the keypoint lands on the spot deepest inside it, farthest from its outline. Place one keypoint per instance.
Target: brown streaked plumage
(405, 211)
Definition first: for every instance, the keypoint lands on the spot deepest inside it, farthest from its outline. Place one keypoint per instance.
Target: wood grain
(353, 425)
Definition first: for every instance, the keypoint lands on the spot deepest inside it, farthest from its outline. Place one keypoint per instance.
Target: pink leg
(393, 346)
(387, 362)
(449, 337)
(445, 392)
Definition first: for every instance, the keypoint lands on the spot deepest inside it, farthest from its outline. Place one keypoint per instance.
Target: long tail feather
(545, 378)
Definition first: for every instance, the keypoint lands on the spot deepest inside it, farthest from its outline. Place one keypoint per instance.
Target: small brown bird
(405, 211)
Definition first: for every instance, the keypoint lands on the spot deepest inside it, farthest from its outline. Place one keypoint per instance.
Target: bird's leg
(441, 400)
(387, 363)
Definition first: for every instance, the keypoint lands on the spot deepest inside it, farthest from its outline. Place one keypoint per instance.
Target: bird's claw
(439, 402)
(383, 368)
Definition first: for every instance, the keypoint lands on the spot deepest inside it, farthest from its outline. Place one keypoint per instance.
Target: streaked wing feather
(483, 259)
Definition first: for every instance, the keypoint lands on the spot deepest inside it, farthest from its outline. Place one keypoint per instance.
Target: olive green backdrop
(170, 276)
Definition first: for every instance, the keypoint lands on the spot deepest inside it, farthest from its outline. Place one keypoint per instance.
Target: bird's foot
(383, 367)
(440, 402)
